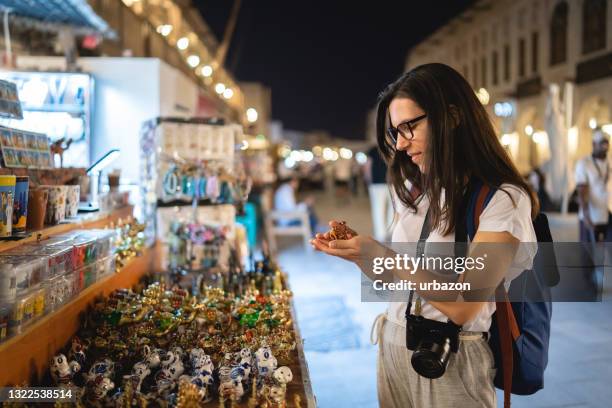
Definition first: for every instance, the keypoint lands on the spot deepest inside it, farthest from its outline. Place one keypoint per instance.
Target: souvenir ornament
(341, 231)
(62, 372)
(266, 362)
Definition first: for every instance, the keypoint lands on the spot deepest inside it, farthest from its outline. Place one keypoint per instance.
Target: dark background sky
(325, 61)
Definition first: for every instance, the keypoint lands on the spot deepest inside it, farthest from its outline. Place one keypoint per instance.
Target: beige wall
(487, 27)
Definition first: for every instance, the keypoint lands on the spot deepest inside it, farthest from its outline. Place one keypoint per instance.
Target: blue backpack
(520, 331)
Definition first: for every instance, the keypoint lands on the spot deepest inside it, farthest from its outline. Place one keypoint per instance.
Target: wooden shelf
(87, 221)
(26, 356)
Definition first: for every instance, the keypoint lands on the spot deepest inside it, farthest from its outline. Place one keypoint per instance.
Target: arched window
(558, 34)
(593, 25)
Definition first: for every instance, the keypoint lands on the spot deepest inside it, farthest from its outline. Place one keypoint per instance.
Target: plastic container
(105, 242)
(15, 277)
(58, 290)
(84, 251)
(22, 313)
(90, 275)
(32, 265)
(39, 295)
(105, 267)
(60, 257)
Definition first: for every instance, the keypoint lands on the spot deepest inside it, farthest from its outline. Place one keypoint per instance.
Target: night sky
(326, 61)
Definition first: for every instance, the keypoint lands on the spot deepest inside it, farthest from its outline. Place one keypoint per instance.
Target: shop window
(495, 67)
(475, 74)
(535, 51)
(506, 62)
(558, 34)
(593, 25)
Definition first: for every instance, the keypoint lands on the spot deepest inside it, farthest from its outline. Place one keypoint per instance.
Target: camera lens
(430, 360)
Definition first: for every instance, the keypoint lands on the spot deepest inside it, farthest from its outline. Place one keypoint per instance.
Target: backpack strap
(506, 321)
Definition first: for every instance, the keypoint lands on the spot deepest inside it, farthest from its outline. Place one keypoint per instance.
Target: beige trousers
(467, 382)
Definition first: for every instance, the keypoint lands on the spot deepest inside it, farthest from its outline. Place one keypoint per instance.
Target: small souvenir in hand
(341, 231)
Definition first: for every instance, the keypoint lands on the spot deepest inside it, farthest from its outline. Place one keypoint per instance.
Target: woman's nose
(402, 143)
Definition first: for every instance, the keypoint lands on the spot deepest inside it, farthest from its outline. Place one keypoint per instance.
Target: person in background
(592, 176)
(342, 178)
(375, 173)
(537, 180)
(285, 200)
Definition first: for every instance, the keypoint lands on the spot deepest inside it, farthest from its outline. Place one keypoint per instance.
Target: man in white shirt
(284, 200)
(592, 176)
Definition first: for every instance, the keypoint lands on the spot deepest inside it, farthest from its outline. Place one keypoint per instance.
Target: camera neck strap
(425, 231)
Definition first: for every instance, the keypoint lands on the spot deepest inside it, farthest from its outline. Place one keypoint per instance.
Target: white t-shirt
(498, 216)
(592, 172)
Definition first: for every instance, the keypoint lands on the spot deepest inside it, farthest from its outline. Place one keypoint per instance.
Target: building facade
(512, 51)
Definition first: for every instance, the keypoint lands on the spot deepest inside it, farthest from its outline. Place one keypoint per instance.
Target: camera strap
(425, 231)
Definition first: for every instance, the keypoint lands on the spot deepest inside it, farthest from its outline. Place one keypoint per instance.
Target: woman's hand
(355, 249)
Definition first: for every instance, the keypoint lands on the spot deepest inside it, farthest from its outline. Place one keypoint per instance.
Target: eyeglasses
(404, 129)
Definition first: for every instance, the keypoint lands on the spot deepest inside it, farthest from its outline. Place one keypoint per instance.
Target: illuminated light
(284, 151)
(245, 145)
(506, 139)
(220, 88)
(296, 155)
(503, 109)
(328, 153)
(539, 137)
(346, 153)
(193, 61)
(182, 43)
(307, 156)
(483, 96)
(129, 3)
(361, 158)
(289, 163)
(592, 123)
(334, 155)
(228, 93)
(528, 130)
(164, 29)
(252, 115)
(317, 150)
(607, 128)
(206, 71)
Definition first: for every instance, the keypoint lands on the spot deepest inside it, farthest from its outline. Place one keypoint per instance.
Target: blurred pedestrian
(342, 178)
(537, 180)
(380, 197)
(592, 176)
(285, 200)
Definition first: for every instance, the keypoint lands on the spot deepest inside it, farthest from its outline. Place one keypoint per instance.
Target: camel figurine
(58, 147)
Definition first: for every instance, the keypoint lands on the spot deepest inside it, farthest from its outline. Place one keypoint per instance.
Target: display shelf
(85, 221)
(25, 357)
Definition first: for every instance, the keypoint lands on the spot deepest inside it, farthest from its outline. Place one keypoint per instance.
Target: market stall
(174, 313)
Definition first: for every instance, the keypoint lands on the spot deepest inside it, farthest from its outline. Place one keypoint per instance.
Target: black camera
(432, 342)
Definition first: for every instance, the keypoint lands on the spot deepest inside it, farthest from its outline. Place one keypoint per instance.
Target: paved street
(336, 327)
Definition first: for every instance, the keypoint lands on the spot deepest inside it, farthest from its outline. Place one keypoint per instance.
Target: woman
(437, 138)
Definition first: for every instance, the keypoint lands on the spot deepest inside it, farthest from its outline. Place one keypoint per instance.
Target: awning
(57, 14)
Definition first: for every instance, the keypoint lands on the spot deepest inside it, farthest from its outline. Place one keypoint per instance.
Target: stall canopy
(54, 14)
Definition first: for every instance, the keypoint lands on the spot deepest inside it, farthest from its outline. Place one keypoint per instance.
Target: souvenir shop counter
(25, 355)
(29, 356)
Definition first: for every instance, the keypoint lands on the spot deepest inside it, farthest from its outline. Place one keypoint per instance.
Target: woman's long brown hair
(462, 144)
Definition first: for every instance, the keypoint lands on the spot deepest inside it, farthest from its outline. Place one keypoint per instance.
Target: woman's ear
(455, 115)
